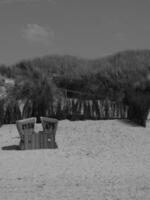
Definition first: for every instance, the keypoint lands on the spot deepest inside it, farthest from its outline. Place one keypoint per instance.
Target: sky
(84, 28)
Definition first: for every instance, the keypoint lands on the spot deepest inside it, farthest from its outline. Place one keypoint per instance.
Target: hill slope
(105, 77)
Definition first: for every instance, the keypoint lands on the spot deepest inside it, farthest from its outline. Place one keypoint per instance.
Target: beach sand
(95, 160)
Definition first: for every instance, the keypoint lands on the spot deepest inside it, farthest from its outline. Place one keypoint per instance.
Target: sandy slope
(106, 160)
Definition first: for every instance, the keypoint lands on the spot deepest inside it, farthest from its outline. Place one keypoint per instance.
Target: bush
(139, 104)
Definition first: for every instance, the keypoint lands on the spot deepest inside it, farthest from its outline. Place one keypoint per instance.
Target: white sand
(96, 160)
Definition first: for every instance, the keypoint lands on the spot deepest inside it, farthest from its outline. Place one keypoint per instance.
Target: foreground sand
(96, 160)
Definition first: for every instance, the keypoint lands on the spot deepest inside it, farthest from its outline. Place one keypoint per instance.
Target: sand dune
(106, 160)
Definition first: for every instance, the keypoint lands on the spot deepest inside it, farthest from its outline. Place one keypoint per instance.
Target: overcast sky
(85, 28)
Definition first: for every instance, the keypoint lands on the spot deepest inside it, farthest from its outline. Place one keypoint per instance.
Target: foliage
(105, 77)
(115, 77)
(34, 87)
(6, 71)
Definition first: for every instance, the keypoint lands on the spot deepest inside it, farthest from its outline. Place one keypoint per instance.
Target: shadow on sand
(128, 122)
(17, 147)
(11, 147)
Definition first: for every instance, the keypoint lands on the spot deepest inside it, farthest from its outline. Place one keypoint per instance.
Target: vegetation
(35, 88)
(6, 71)
(123, 77)
(106, 77)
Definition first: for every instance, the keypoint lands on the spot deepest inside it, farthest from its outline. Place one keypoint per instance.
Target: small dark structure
(29, 139)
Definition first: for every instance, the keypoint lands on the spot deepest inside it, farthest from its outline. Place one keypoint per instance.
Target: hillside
(123, 78)
(105, 77)
(130, 65)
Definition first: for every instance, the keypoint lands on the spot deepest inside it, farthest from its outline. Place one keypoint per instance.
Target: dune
(95, 160)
